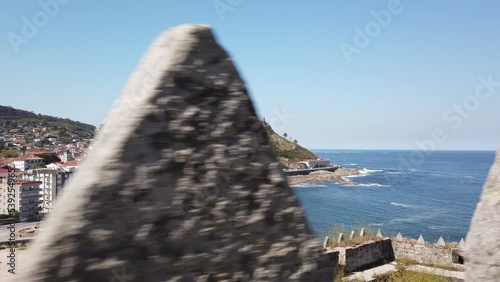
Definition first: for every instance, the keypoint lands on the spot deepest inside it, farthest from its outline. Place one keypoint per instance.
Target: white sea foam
(368, 171)
(373, 185)
(400, 205)
(367, 185)
(350, 164)
(411, 219)
(365, 172)
(308, 185)
(358, 175)
(394, 172)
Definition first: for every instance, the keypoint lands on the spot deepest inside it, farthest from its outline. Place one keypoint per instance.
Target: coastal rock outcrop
(180, 185)
(340, 176)
(482, 250)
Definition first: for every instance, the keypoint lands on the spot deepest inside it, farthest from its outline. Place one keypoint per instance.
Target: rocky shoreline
(338, 176)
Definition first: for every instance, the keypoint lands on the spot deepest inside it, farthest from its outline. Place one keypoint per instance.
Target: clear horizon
(402, 150)
(402, 75)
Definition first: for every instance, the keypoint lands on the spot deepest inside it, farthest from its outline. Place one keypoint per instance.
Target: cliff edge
(289, 153)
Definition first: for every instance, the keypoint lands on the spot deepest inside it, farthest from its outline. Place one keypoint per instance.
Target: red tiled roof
(28, 157)
(39, 151)
(70, 163)
(28, 182)
(7, 160)
(5, 169)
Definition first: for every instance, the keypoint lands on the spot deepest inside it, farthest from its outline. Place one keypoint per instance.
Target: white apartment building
(52, 181)
(25, 162)
(29, 200)
(65, 156)
(26, 195)
(4, 177)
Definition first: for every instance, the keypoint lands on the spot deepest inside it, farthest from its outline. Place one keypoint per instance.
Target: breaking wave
(366, 170)
(308, 185)
(367, 185)
(399, 205)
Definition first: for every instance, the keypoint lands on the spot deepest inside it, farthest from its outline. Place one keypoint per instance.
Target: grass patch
(407, 262)
(22, 246)
(403, 275)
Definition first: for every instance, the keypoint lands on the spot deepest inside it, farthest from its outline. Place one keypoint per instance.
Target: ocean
(431, 194)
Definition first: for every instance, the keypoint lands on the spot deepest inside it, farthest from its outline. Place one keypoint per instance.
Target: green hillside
(290, 153)
(28, 127)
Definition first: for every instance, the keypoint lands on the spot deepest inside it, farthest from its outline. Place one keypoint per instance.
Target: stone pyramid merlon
(340, 238)
(326, 242)
(181, 184)
(399, 237)
(441, 242)
(461, 244)
(362, 232)
(482, 248)
(421, 240)
(352, 235)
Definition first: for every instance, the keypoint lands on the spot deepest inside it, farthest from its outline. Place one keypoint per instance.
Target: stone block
(482, 250)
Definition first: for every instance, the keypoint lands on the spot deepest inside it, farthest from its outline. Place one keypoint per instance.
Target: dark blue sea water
(434, 195)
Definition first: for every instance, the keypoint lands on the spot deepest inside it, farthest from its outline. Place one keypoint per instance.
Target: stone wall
(333, 256)
(385, 250)
(366, 256)
(308, 171)
(426, 253)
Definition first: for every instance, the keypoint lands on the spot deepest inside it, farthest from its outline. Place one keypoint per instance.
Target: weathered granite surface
(482, 250)
(180, 185)
(367, 255)
(423, 253)
(322, 176)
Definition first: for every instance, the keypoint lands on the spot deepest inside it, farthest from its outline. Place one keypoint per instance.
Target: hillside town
(42, 162)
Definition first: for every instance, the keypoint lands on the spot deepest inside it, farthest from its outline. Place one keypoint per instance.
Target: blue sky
(415, 79)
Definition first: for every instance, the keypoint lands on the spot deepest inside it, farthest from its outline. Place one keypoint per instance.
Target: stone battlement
(378, 250)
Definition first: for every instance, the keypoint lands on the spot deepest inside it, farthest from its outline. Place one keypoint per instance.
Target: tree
(49, 158)
(38, 165)
(285, 135)
(295, 141)
(9, 154)
(14, 213)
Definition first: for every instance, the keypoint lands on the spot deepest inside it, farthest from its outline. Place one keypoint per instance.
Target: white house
(52, 182)
(25, 162)
(66, 156)
(316, 163)
(26, 196)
